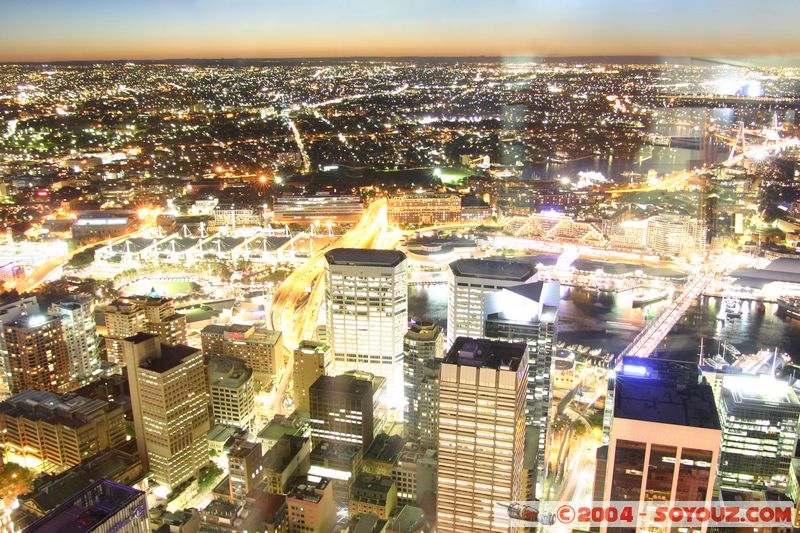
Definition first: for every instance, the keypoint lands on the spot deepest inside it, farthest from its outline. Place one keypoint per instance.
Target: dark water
(609, 321)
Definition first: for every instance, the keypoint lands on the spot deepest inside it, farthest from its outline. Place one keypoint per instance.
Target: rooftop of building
(228, 371)
(495, 269)
(423, 331)
(86, 510)
(172, 355)
(408, 520)
(48, 492)
(760, 390)
(485, 353)
(367, 523)
(308, 488)
(281, 454)
(281, 425)
(682, 402)
(67, 409)
(364, 257)
(385, 448)
(371, 486)
(242, 448)
(784, 269)
(342, 384)
(32, 322)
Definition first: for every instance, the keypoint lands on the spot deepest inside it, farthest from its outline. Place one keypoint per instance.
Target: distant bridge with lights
(654, 332)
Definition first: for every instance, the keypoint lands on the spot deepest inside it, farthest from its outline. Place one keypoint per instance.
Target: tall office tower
(37, 354)
(170, 407)
(481, 432)
(423, 342)
(104, 506)
(312, 360)
(367, 304)
(123, 319)
(428, 434)
(344, 409)
(8, 313)
(529, 313)
(664, 438)
(261, 348)
(80, 334)
(230, 383)
(59, 431)
(312, 508)
(759, 417)
(470, 280)
(161, 319)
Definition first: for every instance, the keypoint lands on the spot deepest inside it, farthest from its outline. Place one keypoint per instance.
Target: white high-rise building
(80, 334)
(366, 294)
(169, 398)
(470, 280)
(482, 391)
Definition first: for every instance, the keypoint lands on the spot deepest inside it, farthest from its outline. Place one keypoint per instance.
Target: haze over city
(52, 30)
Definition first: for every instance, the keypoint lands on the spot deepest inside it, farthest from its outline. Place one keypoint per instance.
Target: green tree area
(15, 481)
(208, 474)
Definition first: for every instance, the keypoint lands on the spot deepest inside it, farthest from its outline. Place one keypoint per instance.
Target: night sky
(45, 30)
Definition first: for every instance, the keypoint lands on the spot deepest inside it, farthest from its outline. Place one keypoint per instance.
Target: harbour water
(609, 322)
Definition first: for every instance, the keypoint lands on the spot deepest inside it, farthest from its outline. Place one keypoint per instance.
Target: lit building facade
(9, 313)
(367, 313)
(311, 506)
(59, 431)
(38, 357)
(230, 384)
(80, 334)
(312, 360)
(423, 342)
(344, 409)
(469, 281)
(260, 348)
(170, 407)
(482, 392)
(424, 209)
(759, 417)
(123, 319)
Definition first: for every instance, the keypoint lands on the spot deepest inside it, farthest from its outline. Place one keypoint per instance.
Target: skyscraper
(230, 383)
(424, 342)
(8, 313)
(170, 407)
(481, 432)
(343, 409)
(37, 354)
(161, 319)
(529, 313)
(123, 319)
(470, 280)
(664, 436)
(367, 313)
(311, 361)
(759, 417)
(80, 334)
